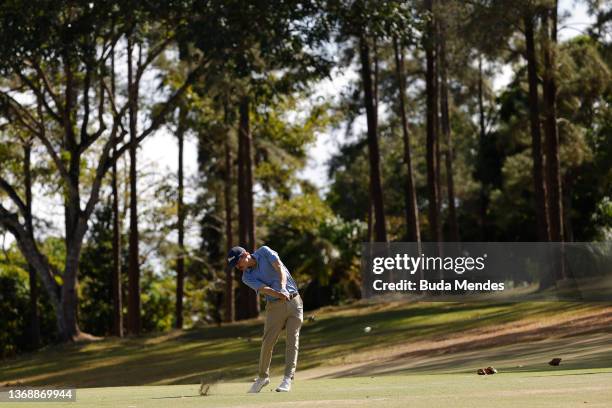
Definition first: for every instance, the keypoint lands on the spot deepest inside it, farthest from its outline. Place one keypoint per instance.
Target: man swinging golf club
(264, 272)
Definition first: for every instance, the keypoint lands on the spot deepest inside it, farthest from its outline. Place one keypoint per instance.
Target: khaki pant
(279, 315)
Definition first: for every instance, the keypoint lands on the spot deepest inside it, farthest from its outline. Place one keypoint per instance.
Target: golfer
(264, 272)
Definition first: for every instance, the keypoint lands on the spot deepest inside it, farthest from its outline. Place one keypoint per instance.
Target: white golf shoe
(285, 385)
(259, 384)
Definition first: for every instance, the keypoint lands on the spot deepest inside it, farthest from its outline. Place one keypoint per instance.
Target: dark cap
(234, 256)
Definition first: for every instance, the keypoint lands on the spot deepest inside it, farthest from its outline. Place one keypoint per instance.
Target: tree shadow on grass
(587, 350)
(231, 351)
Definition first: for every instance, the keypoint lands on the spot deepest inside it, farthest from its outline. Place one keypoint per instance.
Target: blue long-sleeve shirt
(264, 274)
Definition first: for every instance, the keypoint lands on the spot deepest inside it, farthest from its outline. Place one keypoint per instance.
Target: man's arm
(274, 293)
(281, 273)
(272, 256)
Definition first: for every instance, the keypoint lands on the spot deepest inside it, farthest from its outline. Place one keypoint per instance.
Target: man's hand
(283, 296)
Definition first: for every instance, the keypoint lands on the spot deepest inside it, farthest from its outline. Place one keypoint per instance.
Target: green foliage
(374, 18)
(96, 271)
(584, 85)
(15, 306)
(319, 248)
(157, 296)
(55, 250)
(253, 38)
(283, 130)
(349, 173)
(49, 30)
(157, 288)
(13, 309)
(603, 217)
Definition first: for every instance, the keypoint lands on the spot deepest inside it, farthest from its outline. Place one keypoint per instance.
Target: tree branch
(102, 168)
(30, 250)
(116, 114)
(56, 159)
(92, 137)
(10, 221)
(17, 108)
(69, 101)
(46, 84)
(170, 104)
(151, 57)
(107, 160)
(39, 94)
(14, 196)
(85, 122)
(106, 52)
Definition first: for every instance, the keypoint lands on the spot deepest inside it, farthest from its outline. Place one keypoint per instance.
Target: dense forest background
(98, 239)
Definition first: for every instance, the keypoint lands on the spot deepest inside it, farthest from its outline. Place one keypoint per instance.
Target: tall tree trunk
(483, 134)
(568, 232)
(74, 223)
(375, 82)
(432, 113)
(370, 215)
(445, 119)
(412, 211)
(241, 300)
(553, 171)
(243, 235)
(116, 275)
(248, 163)
(365, 282)
(34, 319)
(438, 133)
(70, 287)
(249, 304)
(180, 262)
(229, 274)
(380, 229)
(134, 262)
(541, 204)
(553, 165)
(75, 227)
(248, 173)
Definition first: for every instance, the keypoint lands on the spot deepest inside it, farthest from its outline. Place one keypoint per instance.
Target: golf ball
(367, 329)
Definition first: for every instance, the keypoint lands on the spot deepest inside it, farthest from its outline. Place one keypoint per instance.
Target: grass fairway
(416, 355)
(590, 388)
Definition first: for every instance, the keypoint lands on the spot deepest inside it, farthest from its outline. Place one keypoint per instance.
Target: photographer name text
(440, 285)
